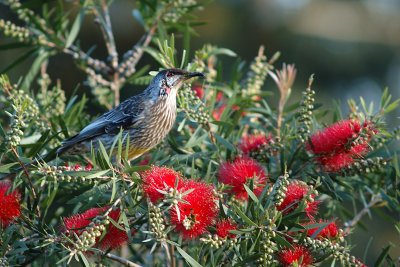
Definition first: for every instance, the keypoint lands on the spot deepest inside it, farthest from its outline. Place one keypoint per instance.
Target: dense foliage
(237, 182)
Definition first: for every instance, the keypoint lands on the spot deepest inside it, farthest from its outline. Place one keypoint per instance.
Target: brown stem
(109, 36)
(23, 166)
(115, 87)
(123, 261)
(375, 199)
(138, 50)
(173, 259)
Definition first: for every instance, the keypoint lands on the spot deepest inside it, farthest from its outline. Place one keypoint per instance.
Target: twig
(110, 41)
(23, 166)
(25, 171)
(133, 56)
(121, 260)
(376, 198)
(173, 259)
(104, 21)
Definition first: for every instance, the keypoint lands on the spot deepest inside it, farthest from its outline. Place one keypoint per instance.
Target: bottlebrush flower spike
(295, 193)
(10, 207)
(159, 178)
(114, 237)
(253, 142)
(331, 231)
(217, 112)
(335, 146)
(88, 167)
(239, 172)
(223, 227)
(297, 256)
(199, 90)
(197, 212)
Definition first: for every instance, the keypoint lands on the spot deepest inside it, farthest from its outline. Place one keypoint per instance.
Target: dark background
(352, 47)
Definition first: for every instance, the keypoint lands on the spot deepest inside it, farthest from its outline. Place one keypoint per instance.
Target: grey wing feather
(123, 116)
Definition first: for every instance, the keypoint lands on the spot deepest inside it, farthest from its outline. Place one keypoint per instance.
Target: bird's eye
(162, 92)
(170, 74)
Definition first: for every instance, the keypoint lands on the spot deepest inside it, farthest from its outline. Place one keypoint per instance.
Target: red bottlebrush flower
(217, 113)
(77, 167)
(297, 256)
(113, 238)
(198, 212)
(145, 161)
(239, 172)
(223, 227)
(295, 193)
(159, 178)
(334, 138)
(10, 207)
(331, 231)
(333, 146)
(253, 142)
(220, 96)
(360, 263)
(199, 90)
(88, 167)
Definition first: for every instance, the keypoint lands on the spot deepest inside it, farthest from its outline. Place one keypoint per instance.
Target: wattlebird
(145, 118)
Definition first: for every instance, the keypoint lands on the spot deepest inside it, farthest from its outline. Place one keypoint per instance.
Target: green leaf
(196, 138)
(188, 258)
(282, 241)
(19, 60)
(6, 167)
(223, 51)
(392, 106)
(85, 261)
(96, 174)
(251, 194)
(75, 29)
(382, 256)
(224, 142)
(243, 216)
(34, 70)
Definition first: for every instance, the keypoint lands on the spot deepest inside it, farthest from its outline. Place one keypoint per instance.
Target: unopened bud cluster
(156, 223)
(4, 262)
(266, 247)
(24, 13)
(265, 151)
(178, 9)
(204, 60)
(11, 30)
(215, 241)
(173, 196)
(280, 189)
(256, 76)
(365, 166)
(334, 249)
(305, 115)
(88, 237)
(127, 66)
(57, 173)
(52, 101)
(380, 140)
(194, 107)
(25, 110)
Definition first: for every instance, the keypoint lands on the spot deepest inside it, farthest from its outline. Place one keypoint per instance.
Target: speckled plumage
(146, 118)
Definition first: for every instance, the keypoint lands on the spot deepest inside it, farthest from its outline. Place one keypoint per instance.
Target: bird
(144, 119)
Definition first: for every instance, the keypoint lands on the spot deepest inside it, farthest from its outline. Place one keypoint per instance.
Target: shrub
(236, 182)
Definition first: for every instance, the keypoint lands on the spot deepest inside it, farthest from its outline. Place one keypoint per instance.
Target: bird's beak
(189, 75)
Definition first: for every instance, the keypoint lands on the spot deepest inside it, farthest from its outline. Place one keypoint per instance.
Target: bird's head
(167, 82)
